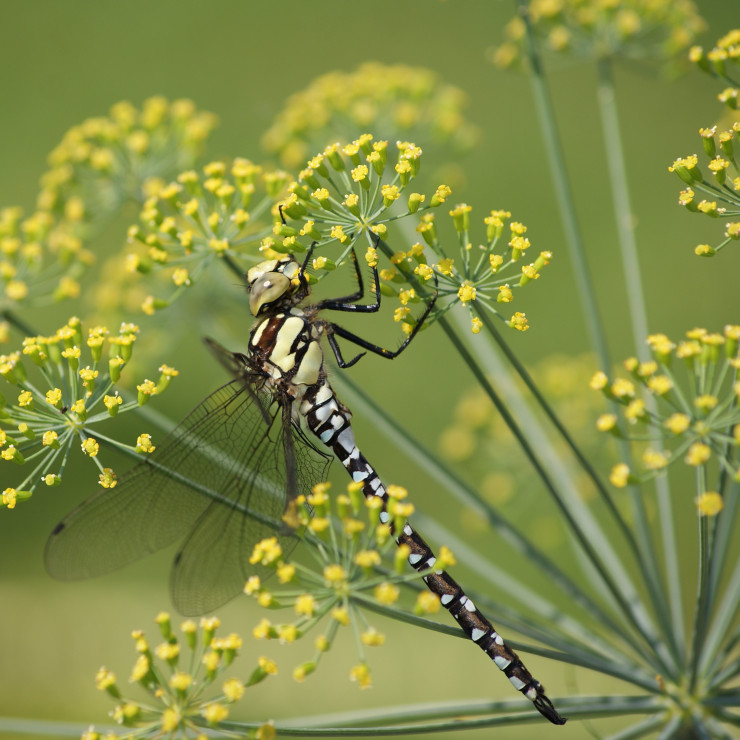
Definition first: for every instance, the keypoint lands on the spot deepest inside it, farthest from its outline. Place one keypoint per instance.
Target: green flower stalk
(176, 676)
(357, 567)
(40, 429)
(394, 100)
(697, 415)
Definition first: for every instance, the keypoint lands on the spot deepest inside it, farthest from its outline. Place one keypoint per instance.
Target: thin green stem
(14, 320)
(701, 611)
(621, 591)
(647, 566)
(638, 319)
(566, 206)
(431, 718)
(564, 195)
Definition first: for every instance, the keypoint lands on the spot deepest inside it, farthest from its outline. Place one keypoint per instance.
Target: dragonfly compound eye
(266, 289)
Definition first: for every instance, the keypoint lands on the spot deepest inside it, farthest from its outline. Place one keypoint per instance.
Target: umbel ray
(223, 478)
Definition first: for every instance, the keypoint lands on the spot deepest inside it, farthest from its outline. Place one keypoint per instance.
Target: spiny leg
(333, 329)
(347, 302)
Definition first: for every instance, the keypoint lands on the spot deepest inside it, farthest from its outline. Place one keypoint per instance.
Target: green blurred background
(64, 62)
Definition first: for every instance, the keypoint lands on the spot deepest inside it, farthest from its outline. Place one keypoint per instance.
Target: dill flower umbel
(41, 259)
(105, 161)
(717, 194)
(357, 567)
(175, 676)
(722, 61)
(40, 429)
(634, 29)
(485, 273)
(696, 411)
(713, 189)
(202, 217)
(393, 100)
(362, 187)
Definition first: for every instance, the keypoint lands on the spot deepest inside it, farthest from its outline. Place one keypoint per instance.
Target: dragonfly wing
(213, 562)
(160, 500)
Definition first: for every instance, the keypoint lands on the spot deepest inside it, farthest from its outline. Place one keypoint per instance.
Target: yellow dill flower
(104, 679)
(285, 572)
(709, 503)
(598, 381)
(360, 674)
(334, 574)
(444, 266)
(263, 630)
(635, 410)
(264, 599)
(386, 593)
(372, 638)
(446, 558)
(698, 454)
(107, 478)
(367, 558)
(266, 551)
(706, 402)
(319, 524)
(519, 322)
(140, 669)
(466, 292)
(287, 633)
(427, 603)
(233, 689)
(214, 713)
(677, 423)
(167, 651)
(407, 295)
(302, 671)
(623, 388)
(90, 447)
(54, 397)
(305, 605)
(619, 475)
(181, 681)
(424, 271)
(211, 661)
(606, 422)
(654, 460)
(341, 615)
(144, 444)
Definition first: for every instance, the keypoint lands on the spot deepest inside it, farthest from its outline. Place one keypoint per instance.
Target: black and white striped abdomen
(329, 420)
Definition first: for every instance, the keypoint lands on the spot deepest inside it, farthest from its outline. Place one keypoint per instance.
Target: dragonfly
(222, 480)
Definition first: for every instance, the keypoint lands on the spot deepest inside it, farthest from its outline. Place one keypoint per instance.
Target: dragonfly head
(272, 281)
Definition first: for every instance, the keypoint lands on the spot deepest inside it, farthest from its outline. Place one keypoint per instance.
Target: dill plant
(625, 616)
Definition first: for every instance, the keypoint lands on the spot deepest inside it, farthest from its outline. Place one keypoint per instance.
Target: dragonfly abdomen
(329, 420)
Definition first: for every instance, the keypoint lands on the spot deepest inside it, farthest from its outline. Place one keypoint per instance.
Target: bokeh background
(63, 62)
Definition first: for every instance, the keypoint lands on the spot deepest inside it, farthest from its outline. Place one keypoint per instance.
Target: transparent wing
(217, 484)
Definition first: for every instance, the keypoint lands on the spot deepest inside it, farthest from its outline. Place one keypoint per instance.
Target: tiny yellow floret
(709, 503)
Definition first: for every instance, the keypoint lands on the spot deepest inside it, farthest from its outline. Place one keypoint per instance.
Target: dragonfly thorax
(274, 283)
